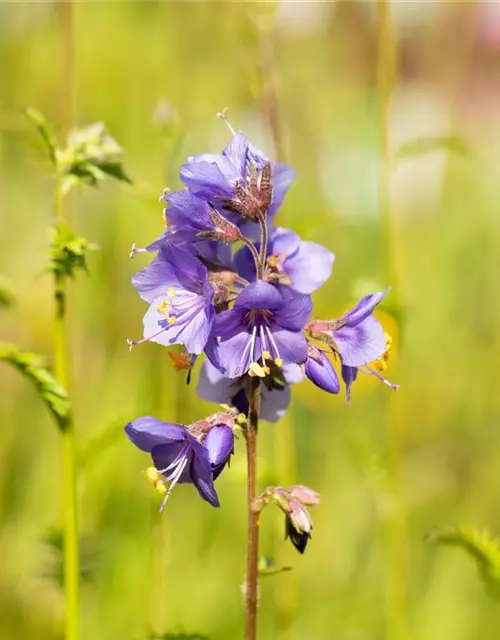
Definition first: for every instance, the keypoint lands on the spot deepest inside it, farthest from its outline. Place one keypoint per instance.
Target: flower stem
(255, 254)
(71, 543)
(251, 583)
(263, 245)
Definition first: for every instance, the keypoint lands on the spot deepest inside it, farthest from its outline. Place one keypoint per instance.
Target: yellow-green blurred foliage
(391, 466)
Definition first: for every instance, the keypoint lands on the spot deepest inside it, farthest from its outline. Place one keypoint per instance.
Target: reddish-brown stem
(263, 244)
(251, 582)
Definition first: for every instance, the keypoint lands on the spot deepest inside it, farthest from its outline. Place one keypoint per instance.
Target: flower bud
(304, 494)
(298, 524)
(224, 230)
(320, 370)
(219, 443)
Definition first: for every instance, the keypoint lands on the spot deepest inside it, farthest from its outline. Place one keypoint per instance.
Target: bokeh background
(398, 173)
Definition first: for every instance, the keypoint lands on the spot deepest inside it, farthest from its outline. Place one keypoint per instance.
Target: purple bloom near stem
(231, 174)
(263, 325)
(349, 375)
(305, 266)
(357, 336)
(177, 456)
(275, 395)
(320, 370)
(180, 296)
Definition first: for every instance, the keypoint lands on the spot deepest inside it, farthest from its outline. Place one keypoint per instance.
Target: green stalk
(395, 524)
(71, 542)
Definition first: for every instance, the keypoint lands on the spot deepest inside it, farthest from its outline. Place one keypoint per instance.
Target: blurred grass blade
(6, 295)
(33, 367)
(425, 145)
(266, 567)
(480, 546)
(44, 129)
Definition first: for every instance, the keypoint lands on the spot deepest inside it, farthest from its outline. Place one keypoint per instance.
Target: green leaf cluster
(479, 545)
(34, 367)
(89, 156)
(67, 251)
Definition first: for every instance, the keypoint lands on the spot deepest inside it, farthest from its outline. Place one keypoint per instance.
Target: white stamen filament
(274, 345)
(178, 467)
(372, 372)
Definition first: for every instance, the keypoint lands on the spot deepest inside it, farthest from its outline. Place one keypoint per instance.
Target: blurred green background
(390, 467)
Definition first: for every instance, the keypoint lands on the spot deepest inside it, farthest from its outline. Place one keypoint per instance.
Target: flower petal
(187, 211)
(310, 267)
(349, 375)
(360, 344)
(209, 179)
(322, 373)
(283, 176)
(364, 308)
(219, 443)
(236, 152)
(295, 312)
(292, 346)
(147, 433)
(259, 295)
(274, 403)
(201, 475)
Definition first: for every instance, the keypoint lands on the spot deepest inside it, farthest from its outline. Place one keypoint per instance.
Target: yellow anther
(152, 474)
(161, 487)
(256, 370)
(162, 308)
(241, 418)
(225, 406)
(171, 319)
(266, 370)
(278, 362)
(381, 363)
(171, 292)
(266, 355)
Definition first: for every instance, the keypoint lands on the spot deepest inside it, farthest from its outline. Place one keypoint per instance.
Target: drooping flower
(357, 336)
(320, 370)
(181, 299)
(305, 266)
(263, 325)
(275, 395)
(177, 456)
(240, 179)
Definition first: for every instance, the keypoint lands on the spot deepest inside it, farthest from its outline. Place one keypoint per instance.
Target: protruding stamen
(256, 370)
(154, 477)
(171, 292)
(134, 249)
(171, 320)
(222, 116)
(181, 463)
(278, 361)
(372, 372)
(162, 307)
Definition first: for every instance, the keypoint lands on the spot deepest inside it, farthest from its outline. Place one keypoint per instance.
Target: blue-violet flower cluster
(247, 309)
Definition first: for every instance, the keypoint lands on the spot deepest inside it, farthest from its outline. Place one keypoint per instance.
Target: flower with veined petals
(263, 325)
(177, 456)
(232, 180)
(304, 266)
(357, 336)
(275, 394)
(180, 296)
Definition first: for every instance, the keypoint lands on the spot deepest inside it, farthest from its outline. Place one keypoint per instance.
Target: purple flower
(177, 456)
(349, 375)
(357, 336)
(219, 443)
(215, 387)
(234, 177)
(320, 370)
(305, 266)
(263, 325)
(180, 296)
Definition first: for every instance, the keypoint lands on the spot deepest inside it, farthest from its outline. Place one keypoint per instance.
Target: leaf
(478, 544)
(420, 146)
(266, 567)
(67, 252)
(33, 367)
(6, 295)
(115, 170)
(44, 129)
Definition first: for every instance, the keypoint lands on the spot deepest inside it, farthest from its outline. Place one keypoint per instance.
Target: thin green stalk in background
(71, 541)
(395, 526)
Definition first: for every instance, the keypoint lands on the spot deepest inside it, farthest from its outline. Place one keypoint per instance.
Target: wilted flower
(241, 179)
